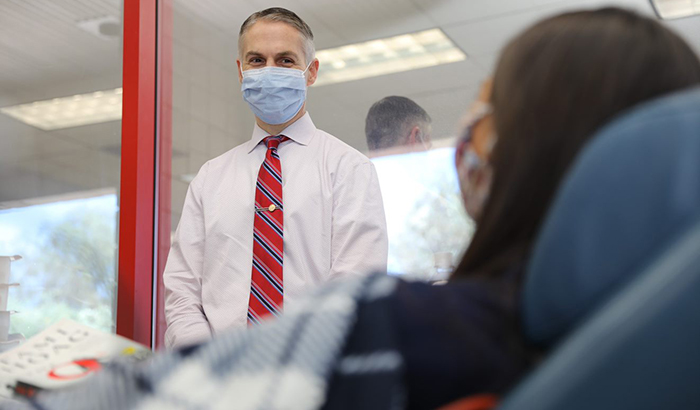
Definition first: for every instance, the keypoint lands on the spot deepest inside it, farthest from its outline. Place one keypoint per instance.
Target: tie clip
(270, 208)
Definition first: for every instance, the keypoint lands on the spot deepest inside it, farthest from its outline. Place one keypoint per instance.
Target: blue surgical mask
(275, 94)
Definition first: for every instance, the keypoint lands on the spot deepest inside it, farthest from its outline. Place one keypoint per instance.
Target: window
(69, 259)
(424, 210)
(60, 152)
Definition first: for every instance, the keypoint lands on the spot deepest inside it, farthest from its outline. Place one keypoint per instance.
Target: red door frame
(145, 167)
(137, 193)
(144, 222)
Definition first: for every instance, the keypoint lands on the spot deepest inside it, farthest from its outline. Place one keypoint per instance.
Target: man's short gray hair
(391, 119)
(285, 16)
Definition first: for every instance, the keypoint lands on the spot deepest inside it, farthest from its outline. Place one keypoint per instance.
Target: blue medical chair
(613, 286)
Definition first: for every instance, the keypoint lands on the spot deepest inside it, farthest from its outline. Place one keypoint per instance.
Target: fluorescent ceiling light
(74, 111)
(105, 27)
(673, 9)
(385, 56)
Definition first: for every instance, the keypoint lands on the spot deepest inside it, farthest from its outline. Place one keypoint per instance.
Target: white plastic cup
(5, 269)
(4, 291)
(4, 325)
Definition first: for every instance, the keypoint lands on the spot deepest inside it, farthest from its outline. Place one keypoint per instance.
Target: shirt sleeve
(359, 243)
(182, 278)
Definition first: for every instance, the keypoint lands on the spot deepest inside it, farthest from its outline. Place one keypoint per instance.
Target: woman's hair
(554, 86)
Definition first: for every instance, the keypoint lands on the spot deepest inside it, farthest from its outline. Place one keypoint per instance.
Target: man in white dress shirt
(333, 223)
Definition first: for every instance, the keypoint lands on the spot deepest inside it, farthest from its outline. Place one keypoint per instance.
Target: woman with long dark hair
(555, 85)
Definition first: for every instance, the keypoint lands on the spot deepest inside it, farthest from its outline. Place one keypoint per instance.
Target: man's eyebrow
(278, 55)
(252, 54)
(287, 54)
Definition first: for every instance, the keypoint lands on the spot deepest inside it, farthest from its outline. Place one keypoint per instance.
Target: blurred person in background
(399, 134)
(379, 342)
(397, 124)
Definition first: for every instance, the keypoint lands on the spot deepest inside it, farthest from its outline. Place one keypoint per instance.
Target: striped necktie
(266, 285)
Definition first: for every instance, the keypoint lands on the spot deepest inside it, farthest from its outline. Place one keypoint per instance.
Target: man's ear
(240, 71)
(313, 73)
(413, 138)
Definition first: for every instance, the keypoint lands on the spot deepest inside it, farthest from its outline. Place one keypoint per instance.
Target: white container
(5, 267)
(5, 284)
(4, 325)
(13, 341)
(4, 292)
(6, 340)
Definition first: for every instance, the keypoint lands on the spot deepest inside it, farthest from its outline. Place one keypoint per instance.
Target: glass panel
(436, 53)
(357, 69)
(424, 213)
(60, 132)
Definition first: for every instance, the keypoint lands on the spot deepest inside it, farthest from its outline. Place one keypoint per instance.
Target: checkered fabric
(312, 357)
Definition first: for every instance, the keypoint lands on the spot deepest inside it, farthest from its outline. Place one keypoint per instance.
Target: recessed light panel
(673, 9)
(73, 111)
(385, 56)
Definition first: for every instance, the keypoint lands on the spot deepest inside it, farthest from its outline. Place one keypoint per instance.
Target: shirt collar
(300, 131)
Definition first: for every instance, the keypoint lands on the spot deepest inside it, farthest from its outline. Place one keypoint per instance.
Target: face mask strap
(421, 137)
(307, 67)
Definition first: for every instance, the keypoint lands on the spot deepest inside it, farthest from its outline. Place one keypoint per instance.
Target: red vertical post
(137, 193)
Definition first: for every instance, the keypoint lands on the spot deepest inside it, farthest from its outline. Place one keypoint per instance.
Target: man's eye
(255, 60)
(287, 61)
